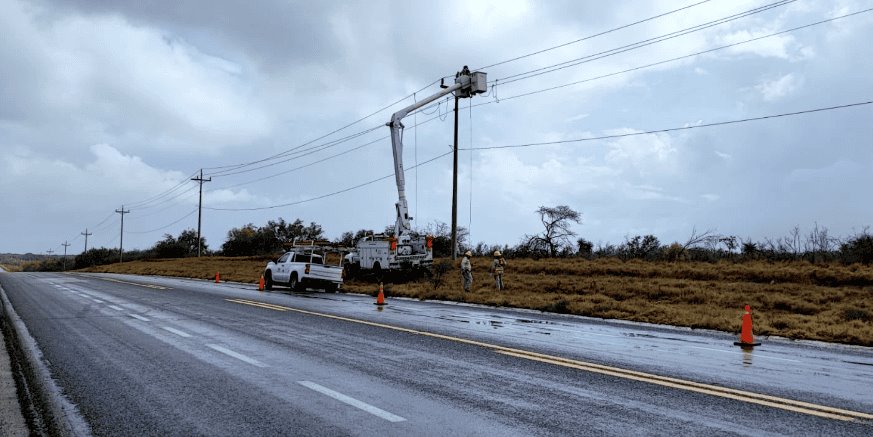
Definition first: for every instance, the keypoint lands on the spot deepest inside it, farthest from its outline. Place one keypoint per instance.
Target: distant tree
(442, 238)
(95, 257)
(557, 233)
(858, 249)
(269, 239)
(640, 247)
(183, 246)
(586, 248)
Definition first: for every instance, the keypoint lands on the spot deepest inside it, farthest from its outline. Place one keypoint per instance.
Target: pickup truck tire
(268, 281)
(293, 283)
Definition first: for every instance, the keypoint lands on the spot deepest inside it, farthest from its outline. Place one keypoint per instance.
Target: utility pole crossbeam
(50, 252)
(200, 180)
(86, 234)
(121, 211)
(66, 245)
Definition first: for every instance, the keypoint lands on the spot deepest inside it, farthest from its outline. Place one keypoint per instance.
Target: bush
(858, 250)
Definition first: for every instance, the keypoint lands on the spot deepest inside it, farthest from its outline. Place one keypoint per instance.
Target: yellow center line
(259, 304)
(714, 390)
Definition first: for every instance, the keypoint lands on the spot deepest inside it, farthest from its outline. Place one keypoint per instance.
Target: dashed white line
(352, 401)
(138, 317)
(96, 300)
(116, 308)
(176, 331)
(236, 355)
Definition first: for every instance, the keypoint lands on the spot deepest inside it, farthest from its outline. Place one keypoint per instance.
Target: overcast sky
(110, 103)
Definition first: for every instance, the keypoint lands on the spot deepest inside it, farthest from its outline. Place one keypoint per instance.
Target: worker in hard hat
(467, 271)
(497, 269)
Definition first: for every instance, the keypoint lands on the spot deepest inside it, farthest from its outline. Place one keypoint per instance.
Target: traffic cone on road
(746, 338)
(380, 299)
(217, 278)
(261, 284)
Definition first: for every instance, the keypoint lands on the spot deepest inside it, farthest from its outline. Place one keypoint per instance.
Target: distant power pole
(86, 234)
(121, 241)
(50, 252)
(66, 245)
(200, 180)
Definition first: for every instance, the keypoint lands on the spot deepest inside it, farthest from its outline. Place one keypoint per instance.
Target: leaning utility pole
(65, 254)
(121, 241)
(200, 180)
(86, 234)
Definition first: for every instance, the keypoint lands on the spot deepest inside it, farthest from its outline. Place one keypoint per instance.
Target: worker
(497, 269)
(467, 271)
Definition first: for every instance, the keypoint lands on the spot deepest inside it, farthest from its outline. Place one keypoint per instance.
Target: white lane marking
(176, 331)
(236, 355)
(352, 401)
(116, 308)
(734, 352)
(96, 300)
(138, 317)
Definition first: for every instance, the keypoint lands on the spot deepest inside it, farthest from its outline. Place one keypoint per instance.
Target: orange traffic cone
(217, 278)
(261, 284)
(380, 299)
(746, 338)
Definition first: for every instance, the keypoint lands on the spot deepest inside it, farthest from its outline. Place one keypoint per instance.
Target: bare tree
(557, 221)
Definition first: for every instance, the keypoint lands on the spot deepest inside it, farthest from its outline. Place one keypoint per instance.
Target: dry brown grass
(795, 300)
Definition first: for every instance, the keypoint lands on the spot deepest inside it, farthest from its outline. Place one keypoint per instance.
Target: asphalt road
(157, 356)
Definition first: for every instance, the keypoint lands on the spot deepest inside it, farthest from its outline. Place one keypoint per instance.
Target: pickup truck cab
(303, 268)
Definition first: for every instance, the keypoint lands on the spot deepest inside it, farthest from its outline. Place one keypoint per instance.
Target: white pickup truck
(302, 268)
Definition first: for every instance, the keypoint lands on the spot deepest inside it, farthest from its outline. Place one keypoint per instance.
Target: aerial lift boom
(466, 84)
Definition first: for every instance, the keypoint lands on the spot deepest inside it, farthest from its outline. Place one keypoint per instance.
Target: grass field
(796, 300)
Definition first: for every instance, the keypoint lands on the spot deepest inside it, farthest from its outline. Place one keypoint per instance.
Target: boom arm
(466, 85)
(401, 225)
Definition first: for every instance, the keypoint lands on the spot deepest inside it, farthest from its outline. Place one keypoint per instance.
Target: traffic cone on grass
(380, 299)
(217, 278)
(746, 338)
(261, 283)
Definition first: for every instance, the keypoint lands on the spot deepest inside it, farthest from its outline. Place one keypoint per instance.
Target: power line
(674, 129)
(637, 45)
(279, 155)
(165, 226)
(592, 36)
(603, 137)
(329, 194)
(654, 64)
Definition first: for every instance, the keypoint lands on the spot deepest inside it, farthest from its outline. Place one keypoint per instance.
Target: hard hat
(468, 253)
(496, 253)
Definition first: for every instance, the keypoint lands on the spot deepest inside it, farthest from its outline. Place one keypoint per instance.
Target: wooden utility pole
(66, 245)
(86, 234)
(455, 187)
(121, 241)
(200, 180)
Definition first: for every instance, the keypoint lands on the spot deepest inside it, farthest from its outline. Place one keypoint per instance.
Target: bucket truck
(403, 250)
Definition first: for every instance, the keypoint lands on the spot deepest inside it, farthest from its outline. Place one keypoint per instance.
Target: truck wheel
(330, 288)
(294, 284)
(268, 281)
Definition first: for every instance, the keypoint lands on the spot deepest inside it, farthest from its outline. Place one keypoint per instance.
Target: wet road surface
(142, 355)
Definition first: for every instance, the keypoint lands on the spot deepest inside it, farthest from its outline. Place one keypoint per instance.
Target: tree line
(557, 239)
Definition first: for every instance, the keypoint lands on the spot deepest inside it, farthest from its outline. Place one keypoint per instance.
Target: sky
(107, 105)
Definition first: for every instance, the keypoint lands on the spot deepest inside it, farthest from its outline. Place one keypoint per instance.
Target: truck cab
(305, 267)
